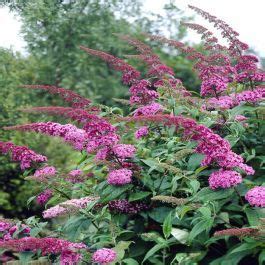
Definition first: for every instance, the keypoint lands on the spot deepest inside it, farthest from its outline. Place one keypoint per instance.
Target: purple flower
(240, 118)
(44, 196)
(120, 177)
(21, 153)
(76, 176)
(4, 226)
(141, 132)
(47, 245)
(256, 196)
(70, 133)
(104, 256)
(123, 206)
(45, 173)
(213, 86)
(141, 93)
(224, 179)
(148, 109)
(124, 150)
(69, 206)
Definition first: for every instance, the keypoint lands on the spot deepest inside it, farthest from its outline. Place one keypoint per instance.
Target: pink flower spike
(23, 154)
(224, 179)
(120, 177)
(256, 196)
(104, 256)
(44, 196)
(141, 132)
(124, 150)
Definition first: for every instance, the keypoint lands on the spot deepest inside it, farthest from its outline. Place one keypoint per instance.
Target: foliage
(17, 70)
(53, 31)
(171, 192)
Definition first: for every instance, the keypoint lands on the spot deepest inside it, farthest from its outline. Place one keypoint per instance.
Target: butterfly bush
(163, 184)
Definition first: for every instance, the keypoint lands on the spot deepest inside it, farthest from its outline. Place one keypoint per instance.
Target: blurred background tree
(53, 31)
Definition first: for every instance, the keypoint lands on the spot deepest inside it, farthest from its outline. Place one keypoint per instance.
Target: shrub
(176, 181)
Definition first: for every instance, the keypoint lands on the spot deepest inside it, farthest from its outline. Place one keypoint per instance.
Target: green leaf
(244, 246)
(200, 169)
(195, 161)
(232, 139)
(183, 210)
(35, 231)
(206, 194)
(158, 214)
(120, 249)
(167, 225)
(206, 212)
(113, 192)
(203, 225)
(32, 198)
(152, 251)
(25, 257)
(253, 217)
(180, 235)
(130, 261)
(195, 184)
(262, 257)
(138, 195)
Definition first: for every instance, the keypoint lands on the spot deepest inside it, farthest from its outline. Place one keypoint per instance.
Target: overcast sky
(246, 17)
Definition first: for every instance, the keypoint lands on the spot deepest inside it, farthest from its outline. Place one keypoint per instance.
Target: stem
(118, 160)
(161, 181)
(164, 256)
(239, 196)
(62, 193)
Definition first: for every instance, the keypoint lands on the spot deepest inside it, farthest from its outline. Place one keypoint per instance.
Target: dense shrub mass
(177, 180)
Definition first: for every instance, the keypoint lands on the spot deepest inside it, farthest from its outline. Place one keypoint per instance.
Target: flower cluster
(22, 154)
(160, 70)
(239, 232)
(123, 206)
(240, 118)
(228, 102)
(70, 133)
(129, 72)
(236, 46)
(73, 98)
(256, 196)
(151, 109)
(214, 147)
(79, 115)
(124, 150)
(224, 179)
(4, 225)
(174, 84)
(67, 207)
(8, 230)
(44, 196)
(213, 86)
(120, 177)
(141, 132)
(141, 93)
(44, 173)
(100, 134)
(104, 256)
(75, 176)
(49, 245)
